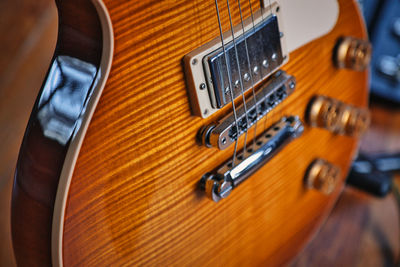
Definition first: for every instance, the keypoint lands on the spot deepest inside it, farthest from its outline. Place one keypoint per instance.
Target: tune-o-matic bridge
(216, 74)
(221, 182)
(224, 133)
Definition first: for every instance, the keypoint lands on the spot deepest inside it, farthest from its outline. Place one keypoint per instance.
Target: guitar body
(133, 195)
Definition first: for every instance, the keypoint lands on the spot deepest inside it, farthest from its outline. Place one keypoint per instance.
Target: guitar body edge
(76, 143)
(134, 198)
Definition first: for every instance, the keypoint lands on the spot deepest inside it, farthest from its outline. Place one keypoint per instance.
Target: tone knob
(354, 121)
(322, 176)
(352, 53)
(337, 117)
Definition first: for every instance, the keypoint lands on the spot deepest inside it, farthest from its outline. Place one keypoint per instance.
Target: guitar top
(135, 153)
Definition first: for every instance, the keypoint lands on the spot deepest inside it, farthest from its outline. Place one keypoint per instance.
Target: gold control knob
(337, 117)
(322, 176)
(354, 121)
(352, 53)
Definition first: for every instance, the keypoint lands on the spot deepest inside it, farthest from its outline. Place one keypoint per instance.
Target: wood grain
(134, 199)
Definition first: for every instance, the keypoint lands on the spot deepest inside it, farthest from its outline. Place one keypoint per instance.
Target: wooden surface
(28, 31)
(376, 216)
(35, 45)
(134, 197)
(362, 230)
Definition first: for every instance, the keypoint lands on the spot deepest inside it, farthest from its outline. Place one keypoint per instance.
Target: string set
(230, 82)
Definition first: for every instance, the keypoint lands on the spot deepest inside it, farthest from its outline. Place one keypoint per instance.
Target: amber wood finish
(134, 198)
(41, 159)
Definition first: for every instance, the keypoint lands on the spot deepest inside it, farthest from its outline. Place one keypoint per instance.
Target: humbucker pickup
(215, 75)
(265, 55)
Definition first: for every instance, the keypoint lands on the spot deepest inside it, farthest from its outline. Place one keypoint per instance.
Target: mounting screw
(202, 86)
(223, 140)
(274, 57)
(255, 70)
(194, 61)
(214, 188)
(224, 189)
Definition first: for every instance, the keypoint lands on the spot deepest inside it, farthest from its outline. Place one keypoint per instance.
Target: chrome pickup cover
(222, 134)
(265, 55)
(206, 69)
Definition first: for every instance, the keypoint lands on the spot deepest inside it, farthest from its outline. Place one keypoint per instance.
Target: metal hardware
(220, 183)
(322, 176)
(337, 117)
(224, 133)
(263, 42)
(352, 53)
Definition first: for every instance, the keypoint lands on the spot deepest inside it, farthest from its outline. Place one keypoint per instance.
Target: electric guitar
(192, 132)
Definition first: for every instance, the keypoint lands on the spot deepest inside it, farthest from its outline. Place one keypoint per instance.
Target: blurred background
(28, 31)
(362, 230)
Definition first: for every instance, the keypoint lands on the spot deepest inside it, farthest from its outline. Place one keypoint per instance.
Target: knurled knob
(322, 176)
(337, 117)
(352, 53)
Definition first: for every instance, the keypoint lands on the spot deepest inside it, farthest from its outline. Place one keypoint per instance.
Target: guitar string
(272, 112)
(262, 11)
(251, 78)
(262, 19)
(261, 74)
(230, 83)
(240, 75)
(270, 7)
(261, 65)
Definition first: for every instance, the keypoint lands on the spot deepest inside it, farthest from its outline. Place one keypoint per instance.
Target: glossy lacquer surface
(55, 118)
(134, 195)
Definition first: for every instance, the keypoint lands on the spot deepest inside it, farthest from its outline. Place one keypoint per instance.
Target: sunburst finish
(134, 198)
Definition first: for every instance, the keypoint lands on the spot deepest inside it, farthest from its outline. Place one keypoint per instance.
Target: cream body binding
(304, 21)
(76, 143)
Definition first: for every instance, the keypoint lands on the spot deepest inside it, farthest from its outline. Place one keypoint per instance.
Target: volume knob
(352, 53)
(322, 176)
(337, 117)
